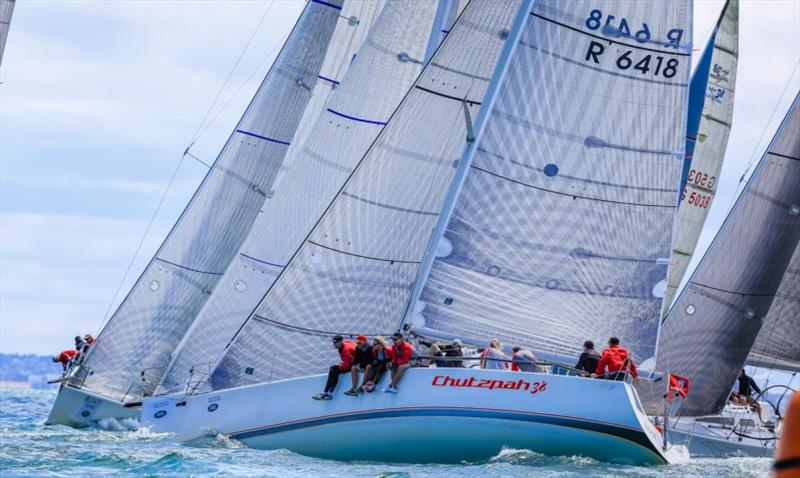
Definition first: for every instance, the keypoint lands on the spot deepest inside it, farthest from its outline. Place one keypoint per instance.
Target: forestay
(709, 332)
(561, 232)
(355, 270)
(778, 343)
(135, 345)
(382, 72)
(6, 10)
(709, 125)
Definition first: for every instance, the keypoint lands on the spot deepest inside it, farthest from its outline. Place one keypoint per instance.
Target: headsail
(6, 10)
(709, 125)
(562, 228)
(709, 332)
(778, 344)
(385, 68)
(354, 273)
(135, 345)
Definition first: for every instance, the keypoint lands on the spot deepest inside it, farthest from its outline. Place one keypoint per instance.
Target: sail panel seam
(355, 118)
(265, 138)
(670, 206)
(399, 261)
(188, 268)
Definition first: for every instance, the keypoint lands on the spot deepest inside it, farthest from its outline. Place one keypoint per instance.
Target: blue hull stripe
(360, 120)
(327, 4)
(271, 140)
(630, 434)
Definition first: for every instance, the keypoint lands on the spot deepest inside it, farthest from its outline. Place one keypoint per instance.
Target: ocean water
(30, 449)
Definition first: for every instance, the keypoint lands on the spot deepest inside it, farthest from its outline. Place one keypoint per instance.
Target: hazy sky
(100, 99)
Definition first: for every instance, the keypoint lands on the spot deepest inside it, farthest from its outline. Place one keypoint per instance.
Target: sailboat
(507, 226)
(743, 293)
(6, 10)
(135, 346)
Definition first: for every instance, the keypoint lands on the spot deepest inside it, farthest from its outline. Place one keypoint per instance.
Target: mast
(474, 133)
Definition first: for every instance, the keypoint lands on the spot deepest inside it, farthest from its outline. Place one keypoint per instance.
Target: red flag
(679, 385)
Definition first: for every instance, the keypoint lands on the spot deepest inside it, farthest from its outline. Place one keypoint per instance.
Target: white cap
(457, 342)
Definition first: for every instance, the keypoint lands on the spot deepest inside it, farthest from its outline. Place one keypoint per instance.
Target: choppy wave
(30, 449)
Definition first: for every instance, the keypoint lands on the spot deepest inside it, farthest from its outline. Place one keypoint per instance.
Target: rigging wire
(198, 132)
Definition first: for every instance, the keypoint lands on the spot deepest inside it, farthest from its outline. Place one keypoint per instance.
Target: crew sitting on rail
(746, 387)
(88, 339)
(362, 361)
(454, 350)
(493, 357)
(65, 357)
(401, 356)
(587, 362)
(381, 358)
(347, 355)
(523, 360)
(617, 360)
(437, 357)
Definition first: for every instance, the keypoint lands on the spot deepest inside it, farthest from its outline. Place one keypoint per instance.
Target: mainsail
(135, 345)
(561, 232)
(777, 346)
(709, 125)
(385, 68)
(6, 10)
(355, 271)
(709, 332)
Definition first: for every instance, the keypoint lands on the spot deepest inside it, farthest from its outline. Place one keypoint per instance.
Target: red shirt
(348, 355)
(614, 357)
(65, 356)
(402, 353)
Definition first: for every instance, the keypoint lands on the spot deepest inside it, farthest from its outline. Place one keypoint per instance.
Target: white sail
(354, 273)
(562, 227)
(6, 10)
(135, 345)
(384, 70)
(710, 331)
(710, 115)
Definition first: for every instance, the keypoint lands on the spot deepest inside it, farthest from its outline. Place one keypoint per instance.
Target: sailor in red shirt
(65, 357)
(347, 354)
(617, 360)
(401, 357)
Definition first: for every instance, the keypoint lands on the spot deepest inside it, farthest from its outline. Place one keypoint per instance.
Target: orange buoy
(787, 459)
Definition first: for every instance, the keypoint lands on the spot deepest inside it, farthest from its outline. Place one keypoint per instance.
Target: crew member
(746, 388)
(617, 360)
(401, 356)
(523, 360)
(362, 360)
(588, 360)
(347, 355)
(65, 357)
(493, 357)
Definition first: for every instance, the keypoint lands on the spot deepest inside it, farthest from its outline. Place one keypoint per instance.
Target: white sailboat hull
(79, 407)
(440, 415)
